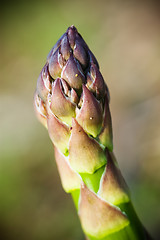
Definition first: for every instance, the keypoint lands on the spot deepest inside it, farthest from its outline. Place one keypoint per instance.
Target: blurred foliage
(125, 38)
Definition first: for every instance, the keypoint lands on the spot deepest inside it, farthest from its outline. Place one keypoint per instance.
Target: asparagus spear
(72, 102)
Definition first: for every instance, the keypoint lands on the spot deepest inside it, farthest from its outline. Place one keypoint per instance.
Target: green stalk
(72, 102)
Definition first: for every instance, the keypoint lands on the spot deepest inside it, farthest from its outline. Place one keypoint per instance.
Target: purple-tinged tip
(73, 28)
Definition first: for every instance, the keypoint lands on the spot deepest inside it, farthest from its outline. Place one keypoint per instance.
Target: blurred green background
(125, 38)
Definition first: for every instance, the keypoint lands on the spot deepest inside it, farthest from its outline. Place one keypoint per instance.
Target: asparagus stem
(72, 102)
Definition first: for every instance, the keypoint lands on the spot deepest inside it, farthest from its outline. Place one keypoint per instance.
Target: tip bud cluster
(70, 85)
